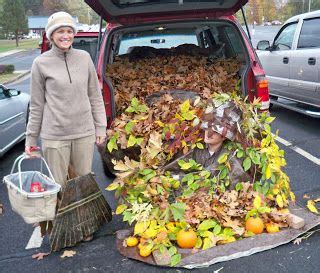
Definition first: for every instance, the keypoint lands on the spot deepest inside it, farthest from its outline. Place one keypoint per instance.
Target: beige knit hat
(59, 19)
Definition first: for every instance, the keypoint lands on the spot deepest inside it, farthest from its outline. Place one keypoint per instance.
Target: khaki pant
(59, 154)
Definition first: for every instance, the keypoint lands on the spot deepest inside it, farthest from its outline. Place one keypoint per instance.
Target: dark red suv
(170, 23)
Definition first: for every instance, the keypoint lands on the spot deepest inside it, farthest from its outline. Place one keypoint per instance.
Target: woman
(66, 107)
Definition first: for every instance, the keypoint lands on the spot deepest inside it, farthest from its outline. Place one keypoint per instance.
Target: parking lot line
(299, 150)
(35, 240)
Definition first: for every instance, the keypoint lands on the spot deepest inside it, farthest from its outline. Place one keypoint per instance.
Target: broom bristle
(81, 212)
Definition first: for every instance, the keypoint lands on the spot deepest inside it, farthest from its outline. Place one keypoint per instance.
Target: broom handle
(22, 157)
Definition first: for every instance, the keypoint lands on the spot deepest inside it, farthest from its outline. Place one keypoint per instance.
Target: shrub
(6, 68)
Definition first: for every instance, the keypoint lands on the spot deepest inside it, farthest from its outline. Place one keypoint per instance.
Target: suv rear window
(167, 39)
(126, 3)
(211, 37)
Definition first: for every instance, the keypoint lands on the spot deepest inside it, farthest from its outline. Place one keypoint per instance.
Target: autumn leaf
(129, 126)
(39, 256)
(279, 201)
(141, 227)
(178, 211)
(68, 254)
(268, 172)
(257, 202)
(207, 224)
(311, 206)
(223, 158)
(113, 186)
(175, 259)
(112, 143)
(121, 208)
(246, 164)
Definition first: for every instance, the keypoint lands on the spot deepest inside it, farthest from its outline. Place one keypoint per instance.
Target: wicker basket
(34, 207)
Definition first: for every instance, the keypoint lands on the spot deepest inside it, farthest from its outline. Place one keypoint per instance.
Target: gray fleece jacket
(66, 100)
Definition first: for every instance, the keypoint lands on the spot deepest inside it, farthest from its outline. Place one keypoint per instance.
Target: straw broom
(82, 210)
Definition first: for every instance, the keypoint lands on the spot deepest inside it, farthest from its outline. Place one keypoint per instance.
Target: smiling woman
(66, 108)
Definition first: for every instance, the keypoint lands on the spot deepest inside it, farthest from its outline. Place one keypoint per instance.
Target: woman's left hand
(100, 140)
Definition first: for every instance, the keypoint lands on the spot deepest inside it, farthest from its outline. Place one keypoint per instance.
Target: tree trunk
(17, 39)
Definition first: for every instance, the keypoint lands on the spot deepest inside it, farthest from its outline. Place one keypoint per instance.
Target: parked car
(291, 63)
(87, 41)
(14, 107)
(276, 23)
(166, 24)
(207, 24)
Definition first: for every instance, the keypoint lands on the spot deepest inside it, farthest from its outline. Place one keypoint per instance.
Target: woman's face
(63, 37)
(211, 137)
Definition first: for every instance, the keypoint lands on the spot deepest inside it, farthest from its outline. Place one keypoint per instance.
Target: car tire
(106, 170)
(104, 161)
(274, 98)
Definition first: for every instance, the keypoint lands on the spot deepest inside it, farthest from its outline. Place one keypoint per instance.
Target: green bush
(6, 68)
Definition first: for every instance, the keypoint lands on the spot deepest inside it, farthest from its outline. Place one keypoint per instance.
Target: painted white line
(299, 150)
(35, 240)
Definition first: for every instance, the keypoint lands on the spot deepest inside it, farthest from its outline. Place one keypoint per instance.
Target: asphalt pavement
(101, 255)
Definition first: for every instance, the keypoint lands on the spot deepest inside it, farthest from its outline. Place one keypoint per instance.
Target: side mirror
(11, 92)
(263, 45)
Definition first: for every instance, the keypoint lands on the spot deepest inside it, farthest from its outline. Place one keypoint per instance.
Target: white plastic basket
(34, 207)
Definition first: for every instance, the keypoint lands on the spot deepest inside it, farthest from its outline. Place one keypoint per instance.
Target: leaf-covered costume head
(223, 118)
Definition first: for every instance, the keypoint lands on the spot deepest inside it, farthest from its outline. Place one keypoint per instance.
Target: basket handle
(22, 157)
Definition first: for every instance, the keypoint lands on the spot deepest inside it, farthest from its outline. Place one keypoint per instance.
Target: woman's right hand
(27, 150)
(32, 151)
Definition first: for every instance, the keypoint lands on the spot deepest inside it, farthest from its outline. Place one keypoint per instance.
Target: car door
(304, 69)
(276, 61)
(12, 120)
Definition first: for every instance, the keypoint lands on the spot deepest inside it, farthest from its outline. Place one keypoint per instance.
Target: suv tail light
(262, 92)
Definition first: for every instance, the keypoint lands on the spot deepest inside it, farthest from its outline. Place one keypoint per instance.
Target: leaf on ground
(40, 256)
(297, 241)
(311, 206)
(68, 254)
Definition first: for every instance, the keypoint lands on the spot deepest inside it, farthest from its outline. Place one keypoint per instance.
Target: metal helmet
(223, 118)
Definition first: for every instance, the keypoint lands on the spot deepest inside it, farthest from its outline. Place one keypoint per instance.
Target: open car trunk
(203, 57)
(185, 60)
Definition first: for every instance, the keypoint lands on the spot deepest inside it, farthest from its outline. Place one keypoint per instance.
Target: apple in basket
(36, 187)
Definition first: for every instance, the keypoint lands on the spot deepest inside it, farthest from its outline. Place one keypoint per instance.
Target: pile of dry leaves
(144, 76)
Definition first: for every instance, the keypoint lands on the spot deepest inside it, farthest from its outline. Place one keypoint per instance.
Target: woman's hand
(32, 151)
(100, 140)
(27, 150)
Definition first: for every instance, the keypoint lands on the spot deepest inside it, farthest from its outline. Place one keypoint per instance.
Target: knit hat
(59, 19)
(224, 119)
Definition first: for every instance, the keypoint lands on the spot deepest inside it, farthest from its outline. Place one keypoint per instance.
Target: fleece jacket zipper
(65, 60)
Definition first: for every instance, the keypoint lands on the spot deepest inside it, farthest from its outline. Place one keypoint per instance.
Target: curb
(11, 52)
(17, 78)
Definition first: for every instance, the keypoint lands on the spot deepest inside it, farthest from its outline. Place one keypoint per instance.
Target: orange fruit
(145, 251)
(132, 241)
(272, 228)
(186, 238)
(255, 225)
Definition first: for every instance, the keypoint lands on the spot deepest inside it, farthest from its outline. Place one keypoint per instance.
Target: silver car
(13, 117)
(292, 64)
